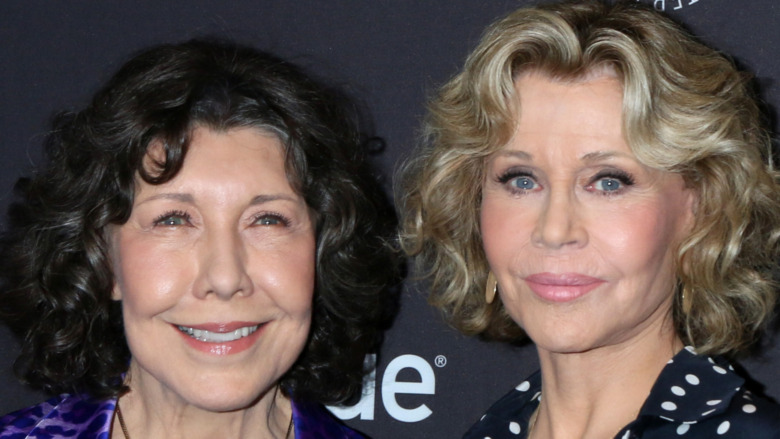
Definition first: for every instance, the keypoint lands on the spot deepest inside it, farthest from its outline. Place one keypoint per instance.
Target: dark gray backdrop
(390, 54)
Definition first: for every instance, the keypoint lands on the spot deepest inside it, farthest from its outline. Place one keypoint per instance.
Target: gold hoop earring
(491, 287)
(687, 300)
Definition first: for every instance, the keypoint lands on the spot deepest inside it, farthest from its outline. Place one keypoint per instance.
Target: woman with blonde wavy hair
(598, 181)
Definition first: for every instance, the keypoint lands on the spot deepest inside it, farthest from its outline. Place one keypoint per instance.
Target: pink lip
(561, 287)
(222, 348)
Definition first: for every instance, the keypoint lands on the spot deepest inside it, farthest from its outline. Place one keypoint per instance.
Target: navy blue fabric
(694, 397)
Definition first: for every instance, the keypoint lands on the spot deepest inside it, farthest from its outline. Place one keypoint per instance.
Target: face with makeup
(215, 271)
(580, 235)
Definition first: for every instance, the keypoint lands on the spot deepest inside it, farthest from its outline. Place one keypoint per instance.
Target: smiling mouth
(218, 337)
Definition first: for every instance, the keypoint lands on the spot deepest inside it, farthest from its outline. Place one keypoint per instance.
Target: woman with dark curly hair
(597, 180)
(203, 255)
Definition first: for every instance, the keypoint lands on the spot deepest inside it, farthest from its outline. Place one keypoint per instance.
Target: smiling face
(215, 271)
(580, 235)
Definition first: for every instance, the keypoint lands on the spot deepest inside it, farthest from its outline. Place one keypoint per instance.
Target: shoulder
(702, 397)
(751, 416)
(745, 416)
(63, 416)
(313, 421)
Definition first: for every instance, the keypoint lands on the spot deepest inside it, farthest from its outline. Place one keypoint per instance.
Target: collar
(692, 388)
(516, 407)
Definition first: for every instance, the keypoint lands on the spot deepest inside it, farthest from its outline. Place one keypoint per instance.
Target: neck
(594, 394)
(153, 413)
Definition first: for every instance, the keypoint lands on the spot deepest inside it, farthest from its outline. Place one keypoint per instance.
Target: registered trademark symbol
(440, 361)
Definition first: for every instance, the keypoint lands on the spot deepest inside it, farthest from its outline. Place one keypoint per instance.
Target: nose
(223, 267)
(559, 224)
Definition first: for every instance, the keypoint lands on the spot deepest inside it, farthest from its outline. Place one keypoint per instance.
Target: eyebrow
(188, 198)
(260, 199)
(176, 196)
(519, 154)
(589, 157)
(603, 155)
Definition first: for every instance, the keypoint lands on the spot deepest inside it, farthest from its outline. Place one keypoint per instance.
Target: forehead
(534, 84)
(566, 115)
(155, 164)
(243, 155)
(156, 149)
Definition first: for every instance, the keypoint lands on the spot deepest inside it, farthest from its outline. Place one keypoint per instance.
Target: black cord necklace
(127, 435)
(121, 420)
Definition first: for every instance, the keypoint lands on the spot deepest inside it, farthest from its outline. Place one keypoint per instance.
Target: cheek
(145, 279)
(505, 228)
(289, 276)
(638, 237)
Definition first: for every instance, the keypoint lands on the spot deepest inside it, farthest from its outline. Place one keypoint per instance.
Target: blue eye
(271, 220)
(519, 181)
(173, 219)
(608, 185)
(268, 221)
(524, 183)
(611, 182)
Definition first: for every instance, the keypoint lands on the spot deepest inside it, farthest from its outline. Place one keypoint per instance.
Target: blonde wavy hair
(686, 109)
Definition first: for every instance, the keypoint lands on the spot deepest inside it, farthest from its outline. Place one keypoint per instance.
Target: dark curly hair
(55, 261)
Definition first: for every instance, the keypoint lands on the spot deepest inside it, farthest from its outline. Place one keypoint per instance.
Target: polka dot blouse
(694, 397)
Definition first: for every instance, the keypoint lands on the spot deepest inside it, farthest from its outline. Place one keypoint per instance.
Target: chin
(563, 347)
(226, 401)
(563, 341)
(221, 396)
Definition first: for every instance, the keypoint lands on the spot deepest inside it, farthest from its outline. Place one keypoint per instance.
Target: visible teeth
(218, 337)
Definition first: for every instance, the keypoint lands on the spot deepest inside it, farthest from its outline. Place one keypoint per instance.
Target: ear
(110, 231)
(691, 201)
(687, 222)
(116, 293)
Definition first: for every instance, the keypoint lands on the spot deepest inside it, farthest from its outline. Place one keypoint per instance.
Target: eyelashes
(173, 218)
(519, 181)
(177, 218)
(610, 182)
(606, 182)
(271, 219)
(512, 174)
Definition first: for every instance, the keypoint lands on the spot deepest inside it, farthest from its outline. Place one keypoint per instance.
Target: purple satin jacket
(83, 417)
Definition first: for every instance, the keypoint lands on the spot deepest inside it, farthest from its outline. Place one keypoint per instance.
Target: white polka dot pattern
(668, 405)
(719, 369)
(694, 397)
